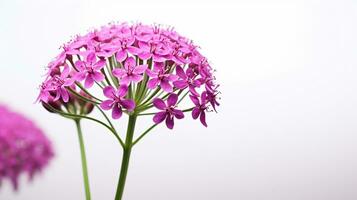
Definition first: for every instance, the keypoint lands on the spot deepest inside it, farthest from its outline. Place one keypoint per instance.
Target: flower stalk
(83, 159)
(126, 156)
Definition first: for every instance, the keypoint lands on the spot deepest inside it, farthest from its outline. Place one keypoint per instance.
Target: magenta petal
(91, 57)
(152, 83)
(178, 114)
(107, 104)
(151, 73)
(89, 81)
(181, 84)
(195, 113)
(125, 80)
(68, 82)
(97, 76)
(116, 112)
(159, 117)
(109, 92)
(165, 85)
(129, 63)
(133, 50)
(123, 89)
(64, 95)
(80, 76)
(121, 55)
(145, 55)
(203, 118)
(65, 71)
(180, 72)
(195, 100)
(99, 65)
(118, 72)
(128, 104)
(203, 98)
(159, 104)
(170, 122)
(79, 65)
(172, 77)
(140, 69)
(136, 78)
(172, 99)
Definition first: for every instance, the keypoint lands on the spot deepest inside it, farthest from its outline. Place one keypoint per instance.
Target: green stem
(126, 157)
(84, 160)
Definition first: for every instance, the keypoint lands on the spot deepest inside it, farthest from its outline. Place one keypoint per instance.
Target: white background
(286, 129)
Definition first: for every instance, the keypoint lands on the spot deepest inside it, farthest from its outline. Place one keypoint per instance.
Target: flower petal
(91, 57)
(152, 83)
(203, 118)
(128, 104)
(159, 117)
(109, 92)
(170, 122)
(118, 72)
(80, 76)
(166, 86)
(178, 114)
(180, 84)
(180, 72)
(195, 100)
(133, 50)
(121, 55)
(107, 104)
(116, 112)
(151, 73)
(129, 63)
(88, 82)
(97, 76)
(99, 65)
(123, 89)
(159, 104)
(172, 99)
(136, 78)
(195, 113)
(145, 55)
(140, 69)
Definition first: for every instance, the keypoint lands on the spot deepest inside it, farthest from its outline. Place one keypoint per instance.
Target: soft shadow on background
(286, 129)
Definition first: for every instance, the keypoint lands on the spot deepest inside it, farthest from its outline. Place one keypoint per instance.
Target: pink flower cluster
(129, 63)
(23, 147)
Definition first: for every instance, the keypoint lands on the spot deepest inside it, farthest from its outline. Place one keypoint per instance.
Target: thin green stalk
(143, 134)
(84, 160)
(126, 157)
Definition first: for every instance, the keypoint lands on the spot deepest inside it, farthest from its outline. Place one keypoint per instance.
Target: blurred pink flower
(23, 147)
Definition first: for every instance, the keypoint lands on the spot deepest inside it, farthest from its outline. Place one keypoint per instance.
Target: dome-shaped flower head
(24, 149)
(124, 67)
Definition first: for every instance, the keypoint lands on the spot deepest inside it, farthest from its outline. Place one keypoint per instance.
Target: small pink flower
(116, 101)
(186, 80)
(160, 76)
(130, 72)
(200, 107)
(126, 46)
(89, 70)
(168, 112)
(58, 83)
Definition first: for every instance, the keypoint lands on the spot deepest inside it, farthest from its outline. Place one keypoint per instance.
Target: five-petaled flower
(168, 112)
(130, 72)
(58, 83)
(126, 46)
(186, 80)
(160, 76)
(200, 107)
(117, 101)
(89, 70)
